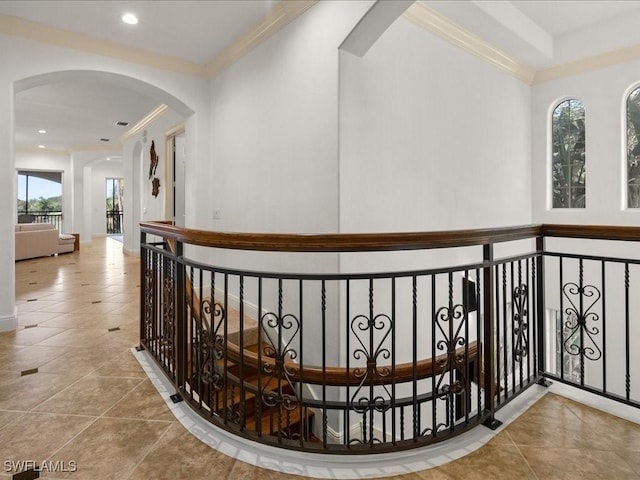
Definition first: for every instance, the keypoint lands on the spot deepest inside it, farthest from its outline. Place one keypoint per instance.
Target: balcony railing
(348, 360)
(114, 222)
(41, 217)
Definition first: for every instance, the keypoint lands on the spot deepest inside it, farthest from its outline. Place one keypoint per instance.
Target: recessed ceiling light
(40, 146)
(42, 131)
(129, 19)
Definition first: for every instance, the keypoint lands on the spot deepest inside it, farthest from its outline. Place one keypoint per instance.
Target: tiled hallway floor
(91, 406)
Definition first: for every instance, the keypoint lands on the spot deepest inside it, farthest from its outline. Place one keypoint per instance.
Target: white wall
(603, 93)
(8, 311)
(140, 204)
(98, 210)
(431, 138)
(83, 195)
(274, 128)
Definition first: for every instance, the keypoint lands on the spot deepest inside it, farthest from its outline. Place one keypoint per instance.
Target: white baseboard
(130, 252)
(334, 436)
(9, 323)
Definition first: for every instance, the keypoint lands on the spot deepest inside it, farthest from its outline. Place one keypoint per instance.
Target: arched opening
(136, 99)
(81, 161)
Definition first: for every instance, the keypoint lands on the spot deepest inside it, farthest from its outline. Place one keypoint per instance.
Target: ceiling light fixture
(40, 146)
(129, 19)
(42, 131)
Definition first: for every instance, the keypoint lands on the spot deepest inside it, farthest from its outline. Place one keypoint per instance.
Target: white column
(8, 319)
(87, 203)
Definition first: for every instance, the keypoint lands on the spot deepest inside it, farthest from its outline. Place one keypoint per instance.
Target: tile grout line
(522, 456)
(146, 454)
(50, 457)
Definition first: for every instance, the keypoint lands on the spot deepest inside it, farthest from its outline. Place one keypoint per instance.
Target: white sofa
(40, 240)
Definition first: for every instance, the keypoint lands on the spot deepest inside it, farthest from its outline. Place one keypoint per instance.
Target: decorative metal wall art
(155, 186)
(153, 160)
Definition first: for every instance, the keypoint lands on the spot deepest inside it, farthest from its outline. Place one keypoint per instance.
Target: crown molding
(596, 62)
(175, 130)
(40, 32)
(281, 15)
(439, 25)
(144, 122)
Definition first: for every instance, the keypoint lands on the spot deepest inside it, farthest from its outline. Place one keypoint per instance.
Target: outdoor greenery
(633, 149)
(568, 154)
(41, 204)
(115, 192)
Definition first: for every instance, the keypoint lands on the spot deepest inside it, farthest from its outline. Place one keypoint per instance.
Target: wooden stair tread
(289, 422)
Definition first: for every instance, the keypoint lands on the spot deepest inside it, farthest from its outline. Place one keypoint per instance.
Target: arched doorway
(102, 80)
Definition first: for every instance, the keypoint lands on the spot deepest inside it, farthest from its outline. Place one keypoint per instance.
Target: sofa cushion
(31, 227)
(36, 243)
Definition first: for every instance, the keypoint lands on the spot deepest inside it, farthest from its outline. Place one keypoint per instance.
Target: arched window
(568, 173)
(633, 149)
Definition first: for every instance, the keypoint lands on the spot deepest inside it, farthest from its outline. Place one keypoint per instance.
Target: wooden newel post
(488, 340)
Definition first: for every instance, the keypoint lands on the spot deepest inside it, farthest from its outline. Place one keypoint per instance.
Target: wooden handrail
(370, 242)
(592, 232)
(340, 242)
(341, 376)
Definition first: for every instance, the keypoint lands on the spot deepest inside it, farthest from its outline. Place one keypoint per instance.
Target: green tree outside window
(633, 149)
(568, 155)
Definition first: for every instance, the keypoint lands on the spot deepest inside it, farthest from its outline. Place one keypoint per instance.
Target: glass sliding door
(115, 192)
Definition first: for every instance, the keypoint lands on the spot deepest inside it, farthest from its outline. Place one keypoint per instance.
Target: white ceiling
(559, 17)
(540, 34)
(77, 113)
(190, 29)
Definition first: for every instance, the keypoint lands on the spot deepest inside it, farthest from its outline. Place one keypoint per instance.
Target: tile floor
(90, 403)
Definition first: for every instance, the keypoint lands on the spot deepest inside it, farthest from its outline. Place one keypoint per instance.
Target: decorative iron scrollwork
(520, 322)
(452, 340)
(280, 331)
(580, 340)
(168, 317)
(285, 329)
(364, 330)
(210, 342)
(371, 394)
(148, 301)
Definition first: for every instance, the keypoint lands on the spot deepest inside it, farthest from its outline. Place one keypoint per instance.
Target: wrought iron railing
(114, 222)
(592, 309)
(357, 362)
(41, 217)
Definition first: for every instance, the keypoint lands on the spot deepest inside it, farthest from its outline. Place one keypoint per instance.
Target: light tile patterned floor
(91, 403)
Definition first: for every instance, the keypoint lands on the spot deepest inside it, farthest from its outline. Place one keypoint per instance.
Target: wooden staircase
(253, 401)
(259, 403)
